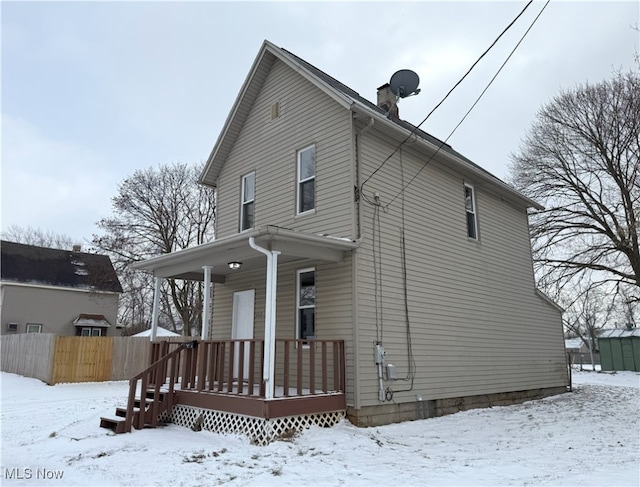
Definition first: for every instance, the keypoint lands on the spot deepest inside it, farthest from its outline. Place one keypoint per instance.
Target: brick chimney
(387, 101)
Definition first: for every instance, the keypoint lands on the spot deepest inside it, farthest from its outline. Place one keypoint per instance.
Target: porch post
(268, 368)
(156, 308)
(206, 304)
(272, 282)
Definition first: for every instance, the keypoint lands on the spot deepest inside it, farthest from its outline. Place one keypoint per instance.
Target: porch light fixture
(234, 266)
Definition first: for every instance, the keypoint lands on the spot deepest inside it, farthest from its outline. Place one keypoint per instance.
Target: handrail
(145, 376)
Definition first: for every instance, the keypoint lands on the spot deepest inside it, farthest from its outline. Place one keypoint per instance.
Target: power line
(472, 106)
(445, 97)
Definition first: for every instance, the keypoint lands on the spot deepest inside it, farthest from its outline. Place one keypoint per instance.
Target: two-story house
(350, 241)
(64, 292)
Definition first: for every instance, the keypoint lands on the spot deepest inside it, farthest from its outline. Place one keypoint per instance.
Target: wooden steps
(157, 394)
(118, 424)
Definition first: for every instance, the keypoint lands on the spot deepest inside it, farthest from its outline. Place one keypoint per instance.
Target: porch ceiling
(293, 245)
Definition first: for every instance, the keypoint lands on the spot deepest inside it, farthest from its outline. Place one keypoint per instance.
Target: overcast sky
(93, 91)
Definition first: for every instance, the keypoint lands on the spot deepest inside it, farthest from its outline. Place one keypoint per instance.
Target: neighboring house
(575, 345)
(578, 352)
(66, 292)
(411, 256)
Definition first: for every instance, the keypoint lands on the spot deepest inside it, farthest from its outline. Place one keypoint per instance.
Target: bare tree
(580, 160)
(38, 237)
(157, 211)
(586, 315)
(628, 313)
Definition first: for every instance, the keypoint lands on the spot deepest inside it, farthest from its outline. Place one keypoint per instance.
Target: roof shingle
(30, 264)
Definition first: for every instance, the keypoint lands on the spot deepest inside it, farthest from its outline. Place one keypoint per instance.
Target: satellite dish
(404, 83)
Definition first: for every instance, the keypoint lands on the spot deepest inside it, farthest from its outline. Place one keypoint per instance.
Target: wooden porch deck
(227, 377)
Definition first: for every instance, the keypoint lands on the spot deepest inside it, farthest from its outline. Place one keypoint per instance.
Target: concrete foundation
(395, 413)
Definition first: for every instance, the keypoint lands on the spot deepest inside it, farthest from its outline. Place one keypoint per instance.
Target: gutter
(57, 287)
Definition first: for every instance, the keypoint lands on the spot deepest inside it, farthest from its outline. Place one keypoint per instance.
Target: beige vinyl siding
(221, 318)
(268, 147)
(477, 325)
(334, 314)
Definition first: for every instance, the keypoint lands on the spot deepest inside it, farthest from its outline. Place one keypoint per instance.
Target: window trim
(299, 182)
(473, 211)
(299, 307)
(91, 331)
(244, 203)
(37, 325)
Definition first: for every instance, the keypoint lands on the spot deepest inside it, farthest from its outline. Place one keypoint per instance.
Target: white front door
(242, 325)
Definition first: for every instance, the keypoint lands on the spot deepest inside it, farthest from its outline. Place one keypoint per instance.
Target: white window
(306, 180)
(248, 195)
(470, 206)
(91, 332)
(34, 328)
(306, 304)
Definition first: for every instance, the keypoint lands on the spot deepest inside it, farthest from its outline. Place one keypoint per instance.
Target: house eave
(458, 163)
(293, 245)
(549, 301)
(39, 285)
(249, 91)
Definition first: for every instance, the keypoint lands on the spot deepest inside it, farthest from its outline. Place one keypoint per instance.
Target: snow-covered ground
(50, 436)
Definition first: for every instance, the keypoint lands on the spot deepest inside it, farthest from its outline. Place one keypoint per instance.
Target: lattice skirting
(261, 431)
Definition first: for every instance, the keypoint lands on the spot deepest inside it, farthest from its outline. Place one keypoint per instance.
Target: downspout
(156, 308)
(206, 305)
(268, 368)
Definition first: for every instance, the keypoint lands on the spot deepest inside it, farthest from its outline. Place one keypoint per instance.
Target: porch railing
(302, 367)
(146, 399)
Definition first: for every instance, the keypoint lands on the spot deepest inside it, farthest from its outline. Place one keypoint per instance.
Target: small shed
(575, 345)
(620, 349)
(161, 332)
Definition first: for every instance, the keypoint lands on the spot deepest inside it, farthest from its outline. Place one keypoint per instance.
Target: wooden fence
(54, 359)
(583, 359)
(28, 354)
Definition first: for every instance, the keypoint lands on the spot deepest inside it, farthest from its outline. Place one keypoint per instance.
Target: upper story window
(306, 179)
(247, 205)
(306, 304)
(470, 206)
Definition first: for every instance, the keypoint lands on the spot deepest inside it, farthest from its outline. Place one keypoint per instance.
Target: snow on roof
(573, 343)
(31, 264)
(85, 319)
(620, 333)
(161, 332)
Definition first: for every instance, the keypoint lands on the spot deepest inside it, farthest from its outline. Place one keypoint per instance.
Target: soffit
(293, 245)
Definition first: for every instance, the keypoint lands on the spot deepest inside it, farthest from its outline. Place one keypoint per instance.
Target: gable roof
(346, 97)
(29, 264)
